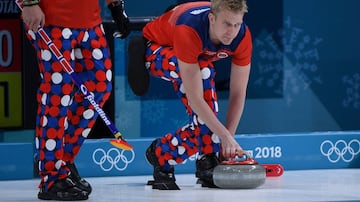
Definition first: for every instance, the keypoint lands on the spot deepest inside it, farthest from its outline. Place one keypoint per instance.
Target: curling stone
(239, 174)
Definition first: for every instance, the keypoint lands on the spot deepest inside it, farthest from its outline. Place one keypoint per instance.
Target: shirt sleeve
(187, 44)
(243, 53)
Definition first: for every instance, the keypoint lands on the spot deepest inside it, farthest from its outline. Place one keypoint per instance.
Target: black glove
(120, 18)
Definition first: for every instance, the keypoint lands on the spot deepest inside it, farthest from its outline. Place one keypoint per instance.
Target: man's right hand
(230, 149)
(33, 17)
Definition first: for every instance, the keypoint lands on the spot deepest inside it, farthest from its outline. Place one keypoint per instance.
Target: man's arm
(32, 15)
(239, 78)
(117, 8)
(192, 82)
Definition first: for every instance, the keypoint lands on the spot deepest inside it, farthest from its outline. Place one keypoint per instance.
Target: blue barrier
(320, 150)
(301, 151)
(16, 161)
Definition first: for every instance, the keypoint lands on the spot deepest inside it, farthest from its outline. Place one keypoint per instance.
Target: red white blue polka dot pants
(64, 118)
(194, 137)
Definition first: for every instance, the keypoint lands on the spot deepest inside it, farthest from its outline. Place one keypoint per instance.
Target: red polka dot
(208, 149)
(90, 85)
(41, 155)
(55, 33)
(98, 31)
(95, 44)
(45, 87)
(67, 88)
(91, 123)
(107, 63)
(56, 66)
(57, 43)
(59, 154)
(106, 96)
(101, 87)
(103, 41)
(158, 151)
(78, 67)
(80, 110)
(50, 165)
(167, 156)
(38, 97)
(89, 64)
(47, 77)
(54, 111)
(206, 139)
(78, 131)
(179, 160)
(87, 54)
(73, 140)
(208, 95)
(61, 121)
(76, 149)
(100, 76)
(55, 100)
(67, 55)
(161, 161)
(51, 133)
(79, 97)
(75, 120)
(66, 157)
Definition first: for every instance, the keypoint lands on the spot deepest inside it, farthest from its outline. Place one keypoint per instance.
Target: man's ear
(212, 18)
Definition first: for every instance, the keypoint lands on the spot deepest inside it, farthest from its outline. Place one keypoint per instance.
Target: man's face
(225, 26)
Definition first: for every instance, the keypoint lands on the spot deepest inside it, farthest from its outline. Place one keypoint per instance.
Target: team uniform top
(186, 29)
(83, 13)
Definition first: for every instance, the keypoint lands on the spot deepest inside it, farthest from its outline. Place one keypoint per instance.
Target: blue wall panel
(298, 151)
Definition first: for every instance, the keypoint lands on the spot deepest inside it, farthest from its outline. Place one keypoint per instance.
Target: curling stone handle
(243, 160)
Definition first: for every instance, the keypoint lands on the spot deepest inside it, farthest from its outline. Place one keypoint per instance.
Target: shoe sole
(46, 196)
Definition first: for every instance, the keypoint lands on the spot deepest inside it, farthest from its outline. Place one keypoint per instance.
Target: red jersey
(71, 13)
(186, 29)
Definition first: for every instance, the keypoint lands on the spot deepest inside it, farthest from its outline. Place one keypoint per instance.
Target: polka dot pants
(194, 137)
(64, 117)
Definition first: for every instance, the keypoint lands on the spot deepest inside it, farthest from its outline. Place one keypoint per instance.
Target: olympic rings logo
(113, 158)
(340, 150)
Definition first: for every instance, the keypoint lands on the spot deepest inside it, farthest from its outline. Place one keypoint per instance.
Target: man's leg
(52, 96)
(195, 137)
(95, 71)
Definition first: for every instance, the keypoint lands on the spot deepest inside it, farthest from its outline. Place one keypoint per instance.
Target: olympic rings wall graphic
(113, 158)
(341, 150)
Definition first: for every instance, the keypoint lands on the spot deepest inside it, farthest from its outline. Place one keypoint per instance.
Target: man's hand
(33, 17)
(230, 149)
(120, 18)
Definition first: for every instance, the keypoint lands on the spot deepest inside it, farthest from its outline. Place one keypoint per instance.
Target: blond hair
(231, 5)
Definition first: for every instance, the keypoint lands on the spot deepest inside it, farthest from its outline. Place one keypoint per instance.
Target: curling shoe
(63, 190)
(204, 170)
(137, 73)
(163, 180)
(79, 182)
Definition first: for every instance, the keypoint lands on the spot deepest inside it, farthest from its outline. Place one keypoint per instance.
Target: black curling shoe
(63, 190)
(137, 73)
(204, 170)
(163, 180)
(79, 182)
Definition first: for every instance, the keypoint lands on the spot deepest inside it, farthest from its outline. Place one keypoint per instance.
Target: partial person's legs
(53, 97)
(93, 66)
(65, 117)
(195, 137)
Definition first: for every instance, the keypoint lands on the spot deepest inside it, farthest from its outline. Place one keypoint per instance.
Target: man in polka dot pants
(181, 46)
(64, 116)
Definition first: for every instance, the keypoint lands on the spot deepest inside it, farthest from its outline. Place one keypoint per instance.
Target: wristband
(30, 2)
